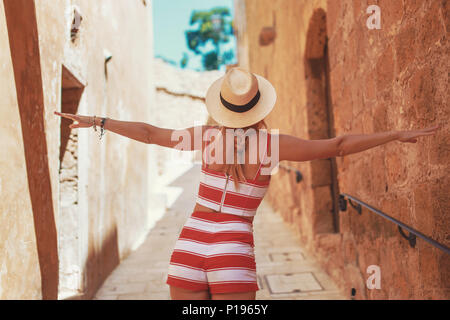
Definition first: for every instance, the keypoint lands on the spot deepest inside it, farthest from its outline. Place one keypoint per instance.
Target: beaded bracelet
(95, 127)
(102, 127)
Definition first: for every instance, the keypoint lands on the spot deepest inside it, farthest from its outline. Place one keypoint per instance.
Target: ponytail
(236, 169)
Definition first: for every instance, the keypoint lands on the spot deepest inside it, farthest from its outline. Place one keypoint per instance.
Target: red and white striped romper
(215, 250)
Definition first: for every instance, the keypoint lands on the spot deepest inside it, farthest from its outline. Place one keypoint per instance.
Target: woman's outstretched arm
(296, 149)
(140, 131)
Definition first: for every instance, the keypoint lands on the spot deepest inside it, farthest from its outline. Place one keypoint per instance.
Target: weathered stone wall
(394, 79)
(373, 80)
(111, 175)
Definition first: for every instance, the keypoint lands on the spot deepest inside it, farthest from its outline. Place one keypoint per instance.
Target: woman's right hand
(83, 121)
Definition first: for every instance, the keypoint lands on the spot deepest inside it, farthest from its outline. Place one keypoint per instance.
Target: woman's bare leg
(177, 293)
(235, 296)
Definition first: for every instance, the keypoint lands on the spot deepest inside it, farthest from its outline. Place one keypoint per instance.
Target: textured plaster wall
(112, 174)
(117, 181)
(19, 265)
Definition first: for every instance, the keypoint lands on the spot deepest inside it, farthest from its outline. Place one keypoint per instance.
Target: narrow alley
(284, 270)
(94, 195)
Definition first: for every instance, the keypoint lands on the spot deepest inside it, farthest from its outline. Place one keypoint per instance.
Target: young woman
(213, 257)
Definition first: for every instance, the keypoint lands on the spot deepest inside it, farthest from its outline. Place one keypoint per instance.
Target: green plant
(216, 27)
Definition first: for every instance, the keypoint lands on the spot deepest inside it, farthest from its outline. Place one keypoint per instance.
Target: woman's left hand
(83, 121)
(411, 136)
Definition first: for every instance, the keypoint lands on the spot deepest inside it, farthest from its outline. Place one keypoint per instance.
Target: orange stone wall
(394, 78)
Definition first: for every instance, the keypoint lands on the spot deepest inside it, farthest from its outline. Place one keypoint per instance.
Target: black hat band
(243, 108)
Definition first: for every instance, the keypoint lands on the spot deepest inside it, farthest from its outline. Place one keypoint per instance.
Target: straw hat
(240, 98)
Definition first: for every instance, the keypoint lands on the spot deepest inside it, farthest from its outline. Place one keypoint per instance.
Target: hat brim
(231, 119)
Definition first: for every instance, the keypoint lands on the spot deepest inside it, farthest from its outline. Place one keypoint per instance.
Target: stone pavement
(284, 270)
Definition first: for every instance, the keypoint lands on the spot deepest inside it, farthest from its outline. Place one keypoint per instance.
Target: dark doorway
(321, 123)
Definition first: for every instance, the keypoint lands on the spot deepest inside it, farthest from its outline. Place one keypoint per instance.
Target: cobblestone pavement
(284, 270)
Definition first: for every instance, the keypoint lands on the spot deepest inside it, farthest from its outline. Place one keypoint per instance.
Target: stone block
(293, 283)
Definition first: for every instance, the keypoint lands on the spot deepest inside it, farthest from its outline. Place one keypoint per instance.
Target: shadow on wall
(321, 123)
(24, 44)
(99, 265)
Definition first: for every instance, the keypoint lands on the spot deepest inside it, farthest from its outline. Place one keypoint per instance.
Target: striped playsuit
(215, 250)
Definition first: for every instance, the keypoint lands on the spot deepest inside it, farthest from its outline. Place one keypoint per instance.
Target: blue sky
(171, 19)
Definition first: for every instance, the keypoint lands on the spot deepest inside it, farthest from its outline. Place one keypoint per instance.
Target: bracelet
(102, 127)
(95, 127)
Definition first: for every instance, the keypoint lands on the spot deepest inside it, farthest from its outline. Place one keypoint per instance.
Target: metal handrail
(411, 237)
(298, 174)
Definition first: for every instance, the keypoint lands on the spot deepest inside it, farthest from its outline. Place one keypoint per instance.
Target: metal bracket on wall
(108, 56)
(357, 207)
(411, 237)
(298, 174)
(343, 205)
